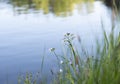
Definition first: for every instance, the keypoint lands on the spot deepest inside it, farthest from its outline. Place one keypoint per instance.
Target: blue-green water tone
(26, 37)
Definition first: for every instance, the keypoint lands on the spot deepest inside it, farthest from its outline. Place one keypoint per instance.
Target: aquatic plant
(101, 68)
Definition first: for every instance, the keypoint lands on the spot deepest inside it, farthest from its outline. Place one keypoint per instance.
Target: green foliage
(29, 78)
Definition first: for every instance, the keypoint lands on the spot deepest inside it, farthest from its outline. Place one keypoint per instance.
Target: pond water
(28, 28)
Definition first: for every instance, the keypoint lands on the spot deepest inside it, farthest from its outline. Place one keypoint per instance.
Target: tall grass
(102, 68)
(82, 68)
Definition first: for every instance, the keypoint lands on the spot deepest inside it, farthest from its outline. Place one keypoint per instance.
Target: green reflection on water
(57, 7)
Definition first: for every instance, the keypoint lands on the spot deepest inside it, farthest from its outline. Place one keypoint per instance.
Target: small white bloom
(70, 63)
(61, 70)
(61, 62)
(51, 49)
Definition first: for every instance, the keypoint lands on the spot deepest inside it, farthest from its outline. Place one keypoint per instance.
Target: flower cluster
(52, 49)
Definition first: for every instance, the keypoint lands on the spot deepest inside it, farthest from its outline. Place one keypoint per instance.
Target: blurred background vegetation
(57, 7)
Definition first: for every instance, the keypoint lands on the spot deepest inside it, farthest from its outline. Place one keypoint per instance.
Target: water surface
(28, 28)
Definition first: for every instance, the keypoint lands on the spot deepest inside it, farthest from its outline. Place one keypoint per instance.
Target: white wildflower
(61, 70)
(61, 62)
(52, 49)
(70, 63)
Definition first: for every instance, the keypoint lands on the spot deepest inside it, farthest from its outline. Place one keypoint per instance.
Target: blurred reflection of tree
(57, 7)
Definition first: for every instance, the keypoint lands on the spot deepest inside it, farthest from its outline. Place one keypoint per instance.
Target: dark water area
(29, 28)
